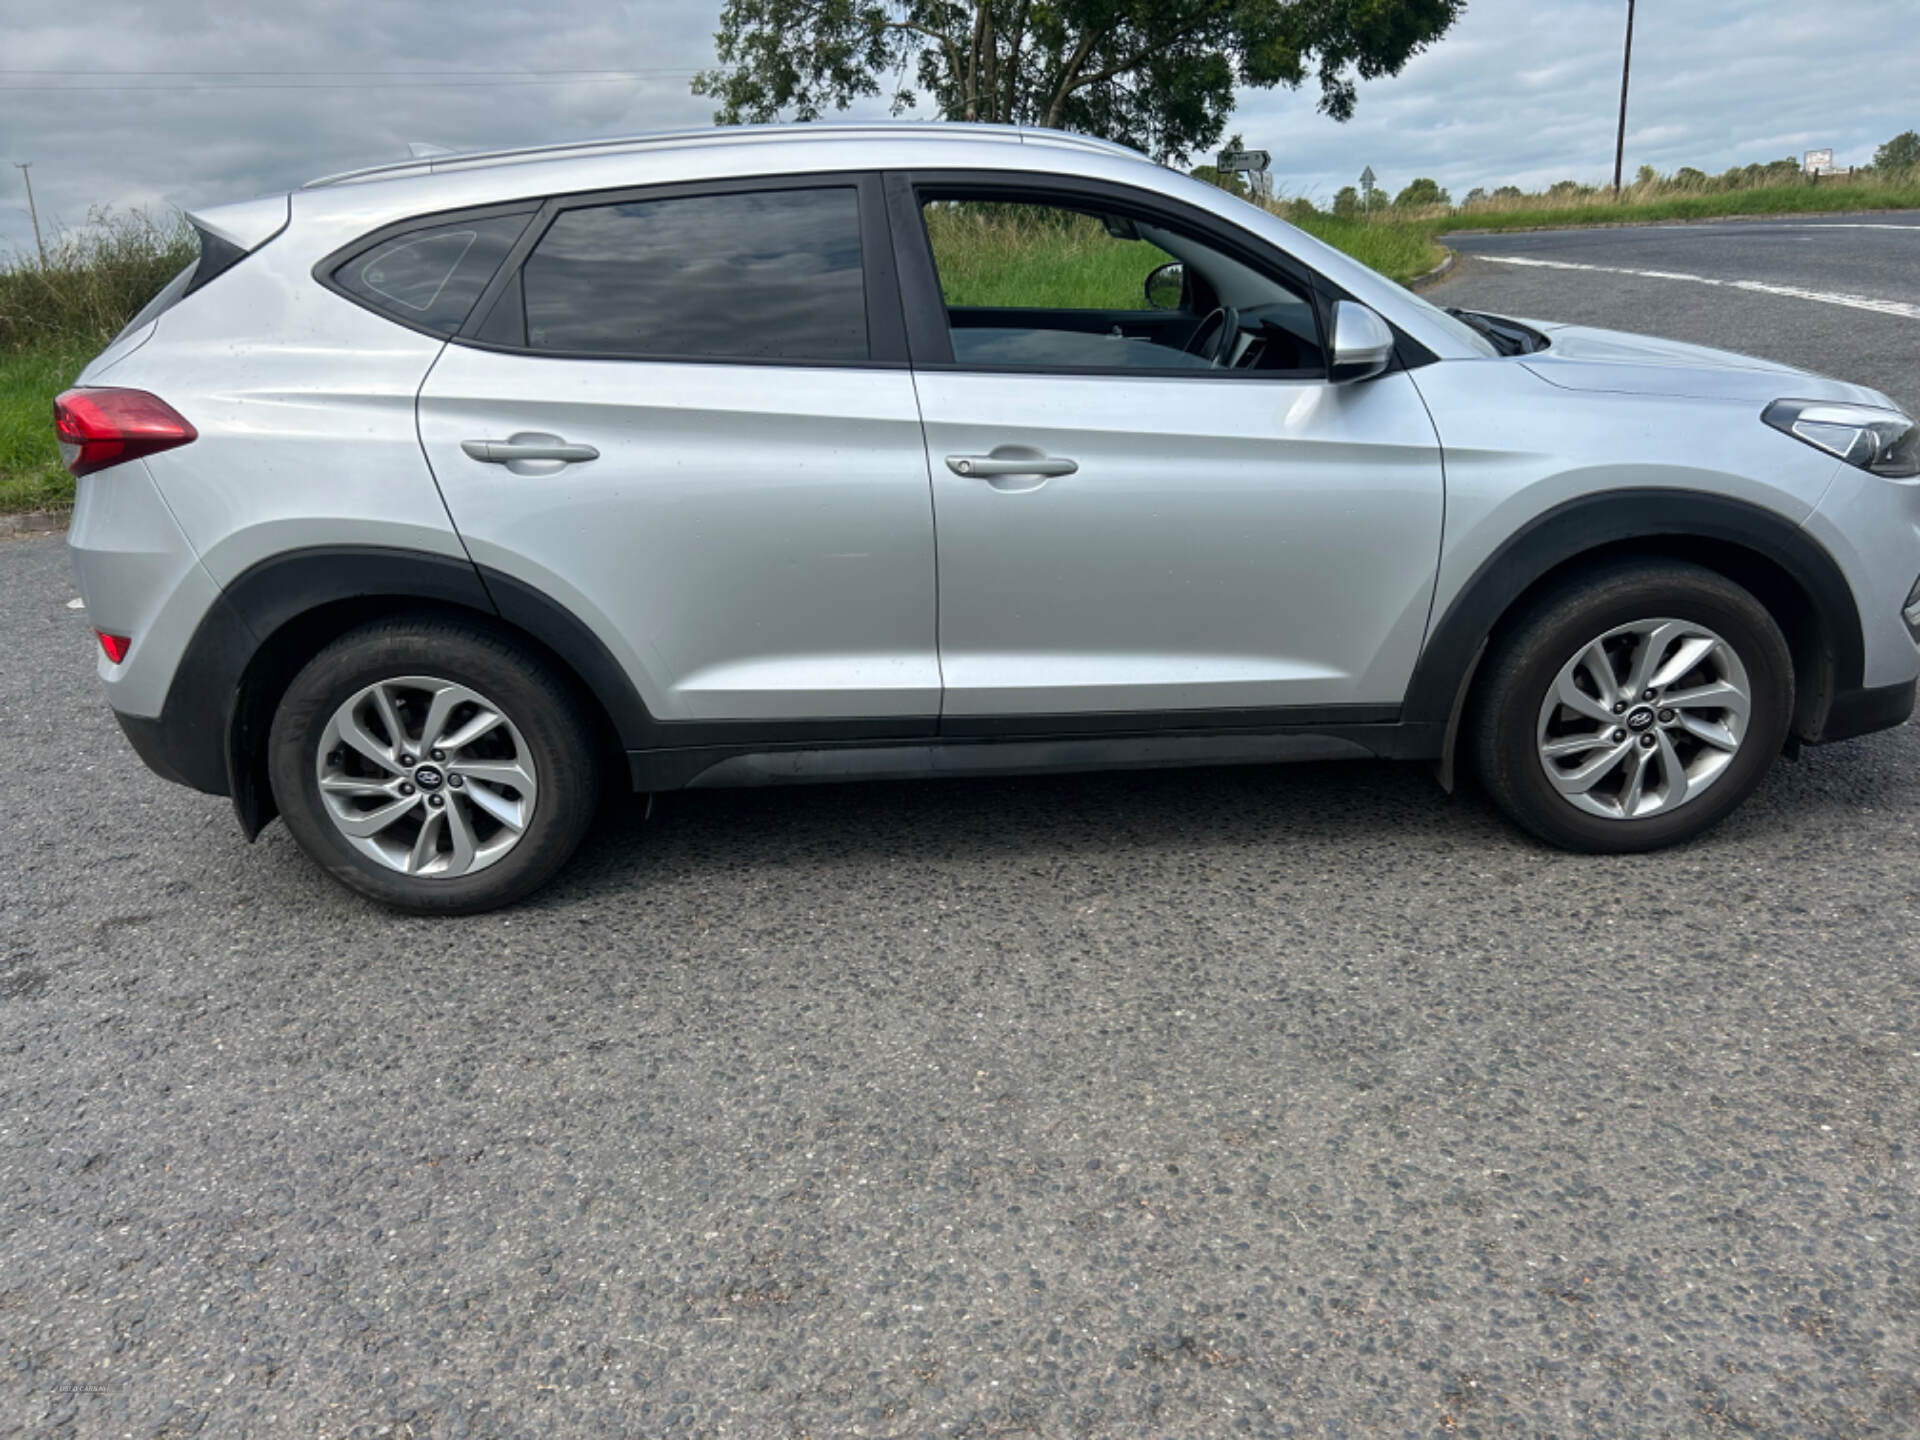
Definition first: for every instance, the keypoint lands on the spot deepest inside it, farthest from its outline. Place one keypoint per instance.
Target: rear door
(685, 414)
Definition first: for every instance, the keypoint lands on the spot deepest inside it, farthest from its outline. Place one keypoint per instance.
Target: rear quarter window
(429, 278)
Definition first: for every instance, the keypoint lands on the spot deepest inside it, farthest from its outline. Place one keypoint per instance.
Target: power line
(397, 71)
(350, 84)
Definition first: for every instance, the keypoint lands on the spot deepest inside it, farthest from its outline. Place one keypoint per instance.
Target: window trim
(926, 311)
(324, 268)
(886, 326)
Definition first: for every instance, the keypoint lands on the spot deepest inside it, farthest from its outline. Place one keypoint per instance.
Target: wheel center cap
(1640, 719)
(428, 778)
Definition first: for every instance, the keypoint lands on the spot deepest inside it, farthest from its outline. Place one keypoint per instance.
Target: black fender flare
(1607, 520)
(212, 728)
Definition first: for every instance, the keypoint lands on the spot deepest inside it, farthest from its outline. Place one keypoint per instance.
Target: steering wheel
(1212, 340)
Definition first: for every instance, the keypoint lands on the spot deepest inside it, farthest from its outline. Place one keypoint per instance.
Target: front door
(1135, 520)
(688, 419)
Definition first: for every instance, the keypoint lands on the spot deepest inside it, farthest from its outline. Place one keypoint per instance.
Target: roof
(934, 133)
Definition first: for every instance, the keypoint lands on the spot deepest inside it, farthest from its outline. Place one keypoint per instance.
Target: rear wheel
(1634, 707)
(433, 766)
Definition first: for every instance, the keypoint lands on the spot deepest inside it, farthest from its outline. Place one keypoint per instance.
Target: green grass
(56, 316)
(1651, 204)
(31, 476)
(1022, 255)
(1398, 252)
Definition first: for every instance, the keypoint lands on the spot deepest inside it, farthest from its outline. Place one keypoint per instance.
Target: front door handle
(527, 447)
(1000, 463)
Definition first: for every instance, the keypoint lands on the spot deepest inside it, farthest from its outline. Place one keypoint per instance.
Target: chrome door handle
(988, 467)
(503, 452)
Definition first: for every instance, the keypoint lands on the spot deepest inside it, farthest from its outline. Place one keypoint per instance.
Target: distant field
(53, 318)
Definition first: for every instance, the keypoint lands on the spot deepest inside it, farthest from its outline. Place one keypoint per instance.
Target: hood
(1582, 358)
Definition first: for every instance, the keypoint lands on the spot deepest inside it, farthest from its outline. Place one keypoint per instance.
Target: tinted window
(431, 277)
(774, 275)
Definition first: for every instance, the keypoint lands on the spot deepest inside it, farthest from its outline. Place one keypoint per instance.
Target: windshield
(1467, 335)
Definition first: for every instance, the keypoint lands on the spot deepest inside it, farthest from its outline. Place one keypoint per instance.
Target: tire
(483, 822)
(1648, 616)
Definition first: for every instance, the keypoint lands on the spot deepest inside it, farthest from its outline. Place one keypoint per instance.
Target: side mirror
(1362, 343)
(1167, 286)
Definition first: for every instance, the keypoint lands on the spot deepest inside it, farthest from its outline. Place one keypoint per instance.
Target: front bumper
(1870, 708)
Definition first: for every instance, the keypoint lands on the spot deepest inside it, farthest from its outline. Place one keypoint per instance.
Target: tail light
(102, 427)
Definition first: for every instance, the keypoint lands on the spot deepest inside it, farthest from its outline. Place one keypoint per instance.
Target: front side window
(770, 275)
(1064, 287)
(430, 277)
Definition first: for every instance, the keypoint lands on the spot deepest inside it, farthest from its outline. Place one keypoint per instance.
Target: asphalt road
(1843, 259)
(1297, 1101)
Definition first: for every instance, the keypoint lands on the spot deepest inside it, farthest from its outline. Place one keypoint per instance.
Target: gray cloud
(1523, 91)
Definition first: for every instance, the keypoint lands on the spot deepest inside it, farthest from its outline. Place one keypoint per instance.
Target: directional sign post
(1366, 189)
(1250, 163)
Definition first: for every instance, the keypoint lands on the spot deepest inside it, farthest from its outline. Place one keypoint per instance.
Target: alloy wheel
(426, 776)
(1644, 719)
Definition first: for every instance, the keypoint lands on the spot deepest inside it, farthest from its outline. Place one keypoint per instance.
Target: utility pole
(38, 244)
(1620, 143)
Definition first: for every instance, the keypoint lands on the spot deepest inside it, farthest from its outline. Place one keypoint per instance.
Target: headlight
(1883, 441)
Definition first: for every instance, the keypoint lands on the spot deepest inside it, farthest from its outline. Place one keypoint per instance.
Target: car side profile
(435, 498)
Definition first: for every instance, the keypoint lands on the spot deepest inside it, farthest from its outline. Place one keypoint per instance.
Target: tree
(1227, 180)
(1420, 193)
(1900, 153)
(1476, 196)
(1159, 75)
(1346, 204)
(1508, 192)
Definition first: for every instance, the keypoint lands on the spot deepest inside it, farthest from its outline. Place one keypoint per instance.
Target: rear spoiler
(230, 233)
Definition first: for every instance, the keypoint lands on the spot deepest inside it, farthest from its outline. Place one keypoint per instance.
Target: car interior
(1102, 292)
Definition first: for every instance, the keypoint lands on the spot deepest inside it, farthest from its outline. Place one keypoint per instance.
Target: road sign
(1251, 161)
(1819, 162)
(1367, 177)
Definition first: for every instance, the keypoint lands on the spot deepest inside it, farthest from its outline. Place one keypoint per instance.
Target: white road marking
(1901, 308)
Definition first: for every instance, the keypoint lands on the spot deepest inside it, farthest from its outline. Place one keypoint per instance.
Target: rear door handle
(527, 447)
(989, 467)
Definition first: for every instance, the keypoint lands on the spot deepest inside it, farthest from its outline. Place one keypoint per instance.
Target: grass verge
(54, 317)
(31, 476)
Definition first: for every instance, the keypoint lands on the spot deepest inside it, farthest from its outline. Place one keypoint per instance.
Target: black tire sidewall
(1530, 660)
(526, 690)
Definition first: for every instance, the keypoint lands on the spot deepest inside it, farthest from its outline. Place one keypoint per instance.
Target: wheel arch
(279, 613)
(1788, 571)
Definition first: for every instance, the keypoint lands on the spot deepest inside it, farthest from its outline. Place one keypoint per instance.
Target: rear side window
(773, 275)
(429, 278)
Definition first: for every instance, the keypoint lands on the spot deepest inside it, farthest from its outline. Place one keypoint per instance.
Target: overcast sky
(114, 101)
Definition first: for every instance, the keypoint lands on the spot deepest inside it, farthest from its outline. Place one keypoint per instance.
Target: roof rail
(725, 135)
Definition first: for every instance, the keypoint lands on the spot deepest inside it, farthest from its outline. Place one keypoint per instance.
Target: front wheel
(1634, 707)
(433, 766)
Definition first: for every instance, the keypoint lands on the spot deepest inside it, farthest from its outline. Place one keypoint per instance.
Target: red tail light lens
(115, 645)
(102, 427)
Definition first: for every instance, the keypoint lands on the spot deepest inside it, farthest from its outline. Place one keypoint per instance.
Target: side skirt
(732, 766)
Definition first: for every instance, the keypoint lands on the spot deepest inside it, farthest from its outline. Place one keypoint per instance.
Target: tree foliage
(1159, 75)
(1900, 153)
(1419, 193)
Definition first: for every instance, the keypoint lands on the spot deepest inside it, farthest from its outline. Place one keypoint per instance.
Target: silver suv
(435, 497)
